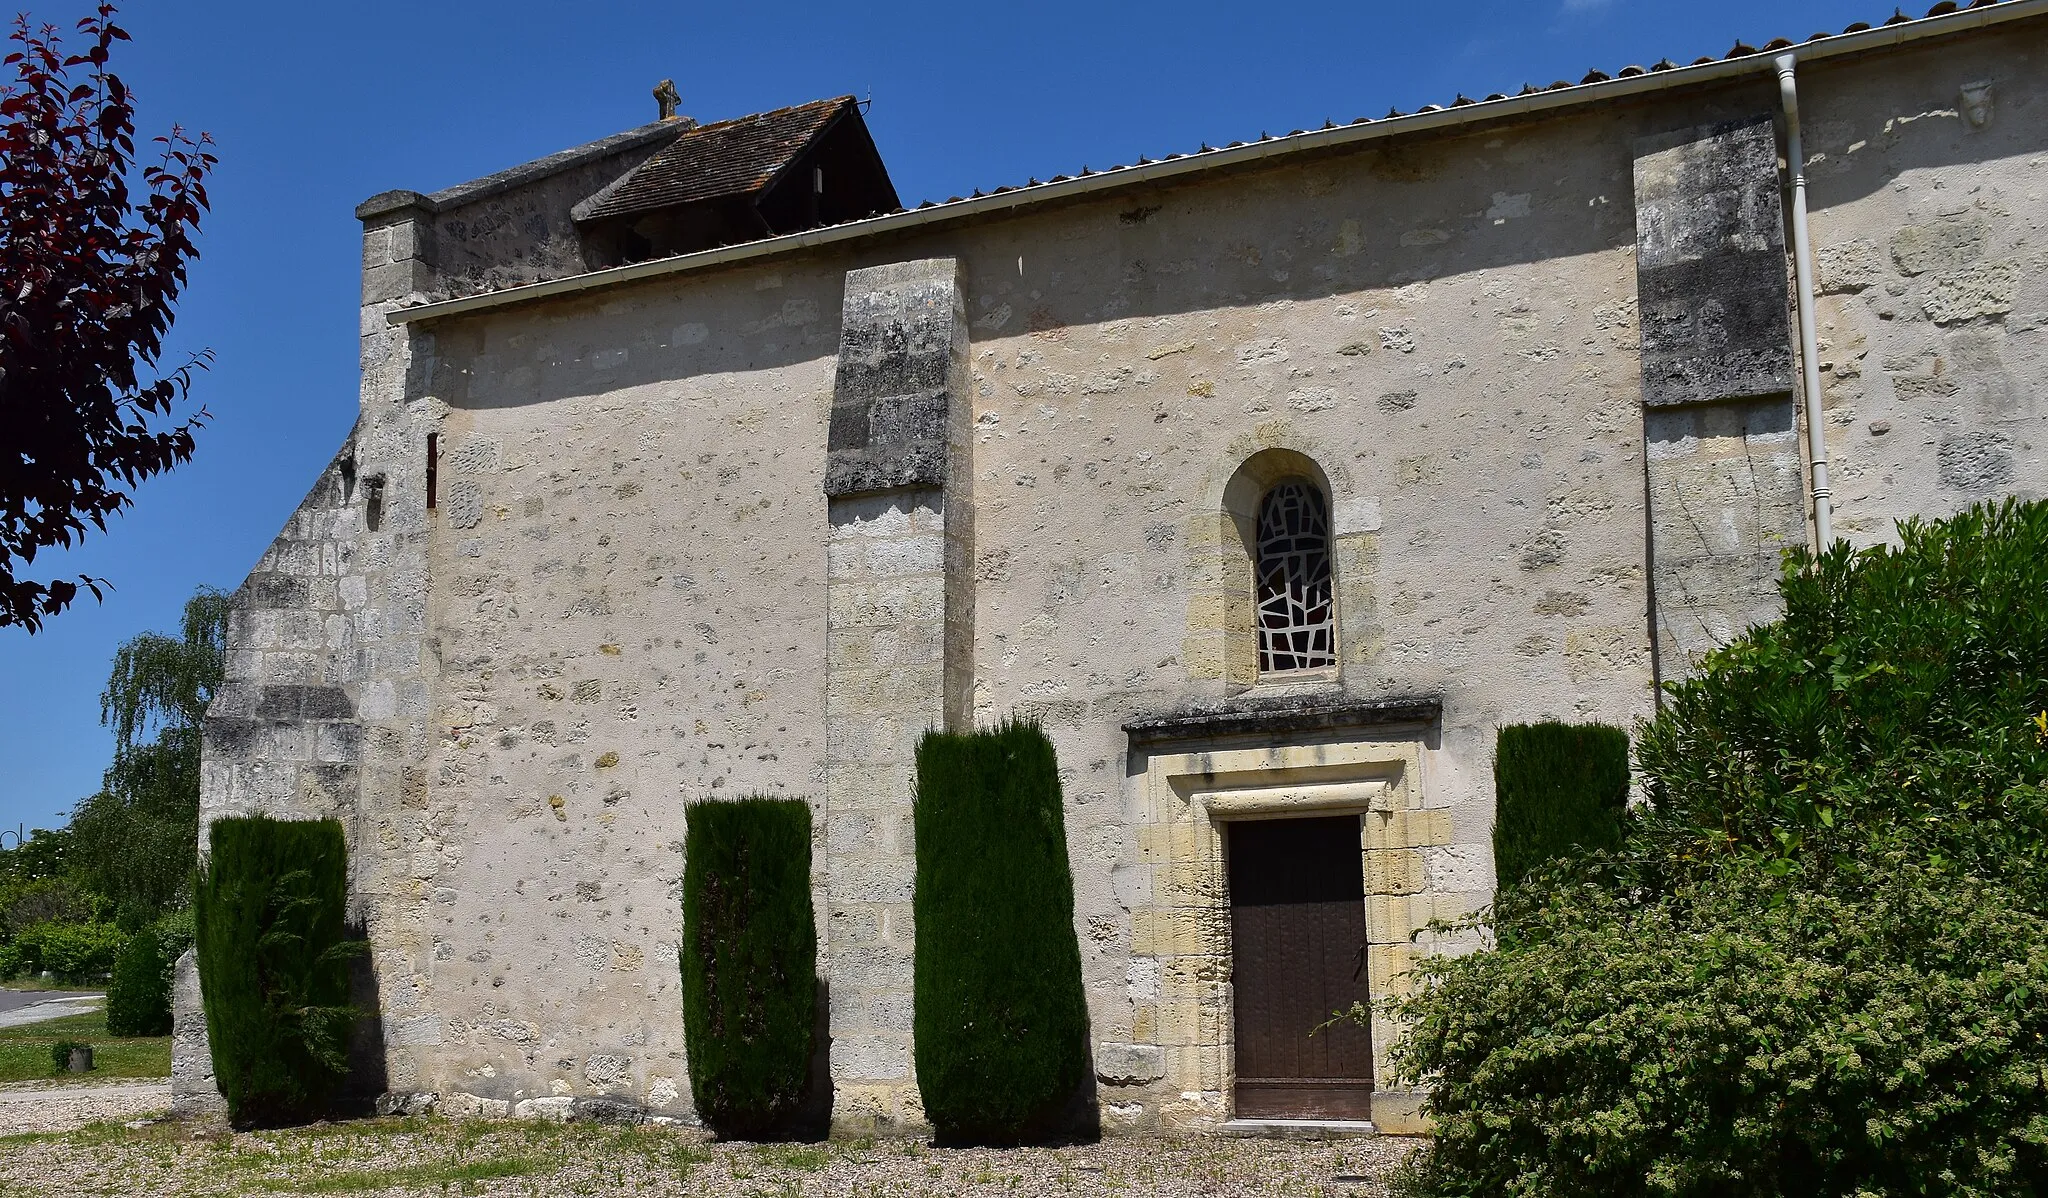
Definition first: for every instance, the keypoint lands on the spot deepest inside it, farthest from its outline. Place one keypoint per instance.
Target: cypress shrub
(268, 909)
(749, 961)
(1001, 1019)
(139, 998)
(1557, 788)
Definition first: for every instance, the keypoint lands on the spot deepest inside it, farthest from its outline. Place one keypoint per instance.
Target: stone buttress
(899, 637)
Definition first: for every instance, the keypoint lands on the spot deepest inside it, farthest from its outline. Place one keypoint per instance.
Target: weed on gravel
(439, 1158)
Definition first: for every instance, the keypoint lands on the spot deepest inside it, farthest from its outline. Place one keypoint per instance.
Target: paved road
(14, 1000)
(33, 1006)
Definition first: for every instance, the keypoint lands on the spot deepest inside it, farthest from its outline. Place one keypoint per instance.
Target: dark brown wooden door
(1297, 939)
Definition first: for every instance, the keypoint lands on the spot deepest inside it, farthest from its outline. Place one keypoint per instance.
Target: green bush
(174, 934)
(1558, 788)
(139, 997)
(60, 1054)
(1874, 1034)
(1897, 693)
(72, 951)
(268, 908)
(1001, 1019)
(749, 961)
(1816, 965)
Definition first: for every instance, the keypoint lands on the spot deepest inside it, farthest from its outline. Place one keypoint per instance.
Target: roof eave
(385, 203)
(1175, 167)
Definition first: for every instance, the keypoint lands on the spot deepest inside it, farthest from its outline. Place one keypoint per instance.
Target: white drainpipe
(1802, 270)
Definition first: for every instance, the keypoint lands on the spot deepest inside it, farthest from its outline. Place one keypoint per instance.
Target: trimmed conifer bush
(1001, 1019)
(1558, 788)
(139, 997)
(749, 960)
(269, 908)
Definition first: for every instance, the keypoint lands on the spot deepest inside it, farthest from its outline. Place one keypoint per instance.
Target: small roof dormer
(741, 180)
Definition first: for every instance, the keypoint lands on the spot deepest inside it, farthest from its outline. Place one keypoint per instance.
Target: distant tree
(88, 274)
(135, 840)
(45, 854)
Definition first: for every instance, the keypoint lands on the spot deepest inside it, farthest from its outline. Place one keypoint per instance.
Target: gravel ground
(63, 1106)
(418, 1158)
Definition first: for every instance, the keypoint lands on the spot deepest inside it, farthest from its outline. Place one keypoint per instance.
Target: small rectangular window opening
(433, 469)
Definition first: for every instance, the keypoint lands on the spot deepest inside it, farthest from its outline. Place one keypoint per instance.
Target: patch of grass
(803, 1157)
(42, 984)
(449, 1173)
(25, 1050)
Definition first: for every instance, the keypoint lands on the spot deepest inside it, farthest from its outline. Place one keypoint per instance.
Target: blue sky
(316, 106)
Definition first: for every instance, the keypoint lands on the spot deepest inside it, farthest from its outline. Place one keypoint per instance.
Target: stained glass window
(1297, 615)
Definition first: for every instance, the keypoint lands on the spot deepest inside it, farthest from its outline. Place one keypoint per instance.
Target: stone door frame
(1187, 791)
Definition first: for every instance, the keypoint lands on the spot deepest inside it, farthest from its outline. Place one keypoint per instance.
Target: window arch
(1297, 611)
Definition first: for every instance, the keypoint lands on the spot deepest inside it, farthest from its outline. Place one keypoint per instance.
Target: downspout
(1802, 271)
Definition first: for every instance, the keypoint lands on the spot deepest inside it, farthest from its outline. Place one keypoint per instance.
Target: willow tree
(136, 839)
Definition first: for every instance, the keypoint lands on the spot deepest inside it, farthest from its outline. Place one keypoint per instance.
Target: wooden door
(1297, 936)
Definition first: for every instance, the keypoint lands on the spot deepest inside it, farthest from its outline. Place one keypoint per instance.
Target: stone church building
(1271, 478)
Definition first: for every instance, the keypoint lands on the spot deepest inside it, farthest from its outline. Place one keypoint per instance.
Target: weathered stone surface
(1129, 1064)
(637, 591)
(902, 378)
(194, 1090)
(1710, 265)
(1978, 460)
(1726, 501)
(1972, 293)
(1941, 245)
(1849, 267)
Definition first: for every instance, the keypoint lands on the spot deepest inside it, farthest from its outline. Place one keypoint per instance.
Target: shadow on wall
(368, 1077)
(1384, 215)
(813, 1118)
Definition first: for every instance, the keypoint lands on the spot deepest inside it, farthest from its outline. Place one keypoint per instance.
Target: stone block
(1393, 871)
(1940, 245)
(553, 1109)
(1975, 293)
(874, 1056)
(1978, 460)
(865, 880)
(1710, 265)
(194, 1090)
(412, 1031)
(463, 1105)
(1129, 1064)
(902, 377)
(1398, 1113)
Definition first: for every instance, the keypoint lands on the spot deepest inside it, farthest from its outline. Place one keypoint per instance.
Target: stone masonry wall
(604, 658)
(899, 611)
(1724, 459)
(1927, 179)
(637, 575)
(1448, 333)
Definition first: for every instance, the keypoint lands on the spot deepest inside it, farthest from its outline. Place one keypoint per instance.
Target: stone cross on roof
(668, 98)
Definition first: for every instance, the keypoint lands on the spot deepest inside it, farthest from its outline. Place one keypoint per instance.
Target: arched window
(1297, 618)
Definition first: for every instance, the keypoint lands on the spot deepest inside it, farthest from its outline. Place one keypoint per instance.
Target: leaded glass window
(1297, 615)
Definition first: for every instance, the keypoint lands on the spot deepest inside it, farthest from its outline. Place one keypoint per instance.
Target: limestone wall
(1447, 331)
(628, 615)
(1928, 179)
(631, 593)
